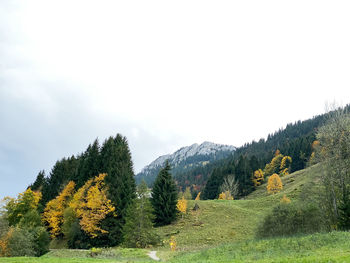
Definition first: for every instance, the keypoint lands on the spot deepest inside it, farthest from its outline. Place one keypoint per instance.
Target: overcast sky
(165, 74)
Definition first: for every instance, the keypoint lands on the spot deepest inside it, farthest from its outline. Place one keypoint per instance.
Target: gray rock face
(189, 156)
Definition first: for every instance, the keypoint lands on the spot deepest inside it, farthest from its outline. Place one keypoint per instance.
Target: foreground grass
(329, 247)
(82, 256)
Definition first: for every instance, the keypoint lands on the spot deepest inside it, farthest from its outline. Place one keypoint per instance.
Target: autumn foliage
(54, 210)
(274, 184)
(279, 164)
(91, 205)
(182, 205)
(225, 196)
(258, 177)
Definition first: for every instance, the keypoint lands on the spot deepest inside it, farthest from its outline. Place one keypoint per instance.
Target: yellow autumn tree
(91, 205)
(258, 177)
(182, 206)
(316, 149)
(274, 165)
(274, 184)
(172, 243)
(198, 197)
(225, 196)
(285, 165)
(54, 210)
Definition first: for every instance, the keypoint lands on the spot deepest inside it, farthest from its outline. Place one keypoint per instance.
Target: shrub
(288, 219)
(4, 225)
(20, 243)
(41, 241)
(94, 252)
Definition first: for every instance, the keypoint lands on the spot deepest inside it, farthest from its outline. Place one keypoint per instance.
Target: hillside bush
(20, 243)
(41, 241)
(287, 219)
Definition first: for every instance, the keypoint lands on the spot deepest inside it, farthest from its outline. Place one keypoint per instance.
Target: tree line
(102, 208)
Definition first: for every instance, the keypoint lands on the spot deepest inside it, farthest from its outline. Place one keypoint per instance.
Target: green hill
(225, 221)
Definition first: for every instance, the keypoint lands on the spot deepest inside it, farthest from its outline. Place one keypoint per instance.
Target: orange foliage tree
(91, 205)
(54, 210)
(274, 184)
(198, 197)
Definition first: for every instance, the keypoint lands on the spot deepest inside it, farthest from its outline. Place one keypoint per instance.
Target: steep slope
(186, 158)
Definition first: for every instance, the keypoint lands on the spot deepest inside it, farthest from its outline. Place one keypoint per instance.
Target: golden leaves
(274, 184)
(258, 177)
(225, 196)
(53, 213)
(182, 205)
(91, 205)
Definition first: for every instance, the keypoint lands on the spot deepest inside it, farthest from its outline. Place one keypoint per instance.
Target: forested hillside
(295, 140)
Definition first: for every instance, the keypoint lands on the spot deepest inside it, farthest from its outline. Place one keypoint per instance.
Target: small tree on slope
(138, 230)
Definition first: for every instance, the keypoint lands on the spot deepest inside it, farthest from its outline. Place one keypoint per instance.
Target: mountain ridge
(186, 157)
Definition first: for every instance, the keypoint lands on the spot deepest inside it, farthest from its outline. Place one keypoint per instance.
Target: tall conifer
(117, 163)
(164, 197)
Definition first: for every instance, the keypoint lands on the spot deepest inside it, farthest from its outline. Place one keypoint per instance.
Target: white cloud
(165, 74)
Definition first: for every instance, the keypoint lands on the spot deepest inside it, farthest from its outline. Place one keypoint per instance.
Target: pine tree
(164, 197)
(117, 163)
(212, 187)
(89, 165)
(39, 181)
(138, 230)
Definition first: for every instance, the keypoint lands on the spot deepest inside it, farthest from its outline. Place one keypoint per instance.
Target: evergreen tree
(164, 197)
(212, 187)
(138, 229)
(344, 213)
(117, 163)
(89, 165)
(39, 181)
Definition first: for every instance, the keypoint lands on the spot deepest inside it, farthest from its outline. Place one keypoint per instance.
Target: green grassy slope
(221, 221)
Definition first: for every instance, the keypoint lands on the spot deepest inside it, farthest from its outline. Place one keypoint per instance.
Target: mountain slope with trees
(186, 159)
(295, 140)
